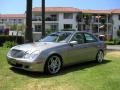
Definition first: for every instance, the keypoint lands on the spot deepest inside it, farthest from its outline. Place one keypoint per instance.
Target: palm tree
(78, 19)
(43, 18)
(87, 19)
(102, 19)
(28, 31)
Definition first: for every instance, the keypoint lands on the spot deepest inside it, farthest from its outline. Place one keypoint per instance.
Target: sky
(19, 6)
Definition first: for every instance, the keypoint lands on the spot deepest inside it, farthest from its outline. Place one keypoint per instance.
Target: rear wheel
(100, 57)
(53, 64)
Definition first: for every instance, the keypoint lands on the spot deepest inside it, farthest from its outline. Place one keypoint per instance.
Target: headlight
(32, 56)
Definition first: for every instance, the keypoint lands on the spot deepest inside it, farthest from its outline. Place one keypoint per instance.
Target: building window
(54, 28)
(13, 21)
(19, 20)
(119, 17)
(54, 17)
(1, 27)
(68, 15)
(3, 21)
(38, 28)
(67, 26)
(79, 27)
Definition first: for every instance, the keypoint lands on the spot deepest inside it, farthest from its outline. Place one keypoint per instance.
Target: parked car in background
(57, 50)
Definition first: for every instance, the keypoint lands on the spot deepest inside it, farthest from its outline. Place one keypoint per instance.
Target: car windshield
(57, 37)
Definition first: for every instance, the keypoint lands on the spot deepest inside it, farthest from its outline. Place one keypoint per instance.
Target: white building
(6, 20)
(59, 18)
(116, 21)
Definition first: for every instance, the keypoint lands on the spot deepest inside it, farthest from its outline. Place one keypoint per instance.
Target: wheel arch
(56, 55)
(52, 55)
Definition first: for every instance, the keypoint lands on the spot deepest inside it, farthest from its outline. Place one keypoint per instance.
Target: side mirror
(72, 43)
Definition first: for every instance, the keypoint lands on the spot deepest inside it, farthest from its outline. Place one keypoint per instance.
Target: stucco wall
(116, 24)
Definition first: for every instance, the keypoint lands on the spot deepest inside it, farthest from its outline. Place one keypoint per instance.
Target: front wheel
(53, 64)
(100, 57)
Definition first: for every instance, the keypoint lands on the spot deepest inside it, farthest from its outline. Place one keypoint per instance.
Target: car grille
(17, 53)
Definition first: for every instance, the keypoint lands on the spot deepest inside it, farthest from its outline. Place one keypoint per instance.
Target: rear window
(89, 38)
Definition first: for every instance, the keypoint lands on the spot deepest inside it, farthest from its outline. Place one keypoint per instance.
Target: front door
(77, 53)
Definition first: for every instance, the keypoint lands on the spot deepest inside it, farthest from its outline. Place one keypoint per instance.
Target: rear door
(91, 44)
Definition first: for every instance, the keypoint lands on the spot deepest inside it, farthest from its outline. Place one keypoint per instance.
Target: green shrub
(49, 31)
(9, 44)
(17, 39)
(116, 41)
(118, 33)
(113, 42)
(109, 42)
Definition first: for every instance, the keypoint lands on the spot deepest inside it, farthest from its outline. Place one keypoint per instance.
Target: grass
(87, 76)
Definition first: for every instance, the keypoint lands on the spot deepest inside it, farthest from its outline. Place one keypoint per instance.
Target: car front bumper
(29, 66)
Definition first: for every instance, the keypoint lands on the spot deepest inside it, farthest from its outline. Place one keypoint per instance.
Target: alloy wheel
(100, 57)
(53, 64)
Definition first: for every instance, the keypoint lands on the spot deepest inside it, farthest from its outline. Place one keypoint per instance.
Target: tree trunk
(43, 18)
(28, 31)
(77, 25)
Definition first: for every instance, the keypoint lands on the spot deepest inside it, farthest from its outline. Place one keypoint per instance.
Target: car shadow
(64, 70)
(82, 66)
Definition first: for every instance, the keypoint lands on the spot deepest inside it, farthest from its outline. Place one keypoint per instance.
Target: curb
(113, 49)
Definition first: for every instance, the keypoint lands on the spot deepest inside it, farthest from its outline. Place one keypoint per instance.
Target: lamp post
(43, 18)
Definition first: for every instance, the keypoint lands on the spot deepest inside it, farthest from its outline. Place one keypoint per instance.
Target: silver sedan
(57, 50)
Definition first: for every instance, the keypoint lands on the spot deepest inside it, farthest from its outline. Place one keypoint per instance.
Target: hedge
(113, 42)
(17, 39)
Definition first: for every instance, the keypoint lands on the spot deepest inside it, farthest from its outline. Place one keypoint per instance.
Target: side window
(78, 37)
(63, 36)
(89, 38)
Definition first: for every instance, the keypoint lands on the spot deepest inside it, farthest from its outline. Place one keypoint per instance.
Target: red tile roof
(62, 9)
(97, 11)
(71, 9)
(56, 9)
(116, 11)
(12, 16)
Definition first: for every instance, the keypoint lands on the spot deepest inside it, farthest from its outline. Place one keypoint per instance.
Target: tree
(21, 28)
(78, 19)
(102, 20)
(28, 31)
(87, 19)
(43, 18)
(13, 27)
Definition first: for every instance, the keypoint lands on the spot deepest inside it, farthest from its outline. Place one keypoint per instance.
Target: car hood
(37, 46)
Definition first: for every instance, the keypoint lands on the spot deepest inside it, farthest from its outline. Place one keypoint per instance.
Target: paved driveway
(113, 47)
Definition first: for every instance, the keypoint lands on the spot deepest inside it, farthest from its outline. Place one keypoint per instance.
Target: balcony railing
(46, 19)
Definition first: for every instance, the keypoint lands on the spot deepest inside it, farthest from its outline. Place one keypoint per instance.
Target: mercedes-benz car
(57, 50)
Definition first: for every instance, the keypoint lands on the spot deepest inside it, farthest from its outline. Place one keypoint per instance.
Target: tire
(53, 64)
(100, 57)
